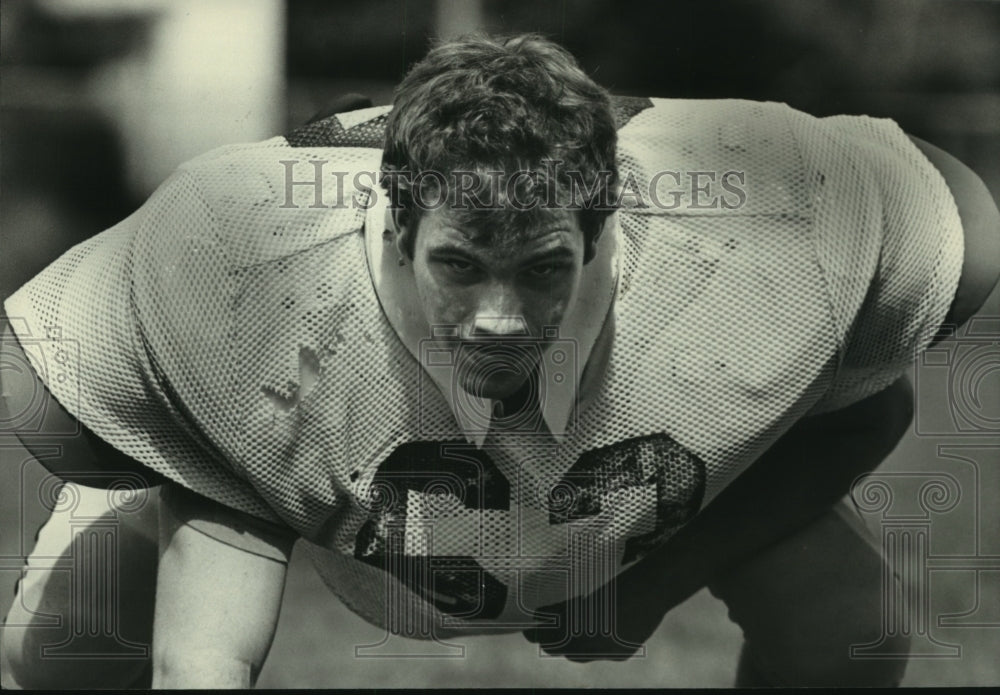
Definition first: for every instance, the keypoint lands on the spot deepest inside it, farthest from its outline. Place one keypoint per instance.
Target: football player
(509, 355)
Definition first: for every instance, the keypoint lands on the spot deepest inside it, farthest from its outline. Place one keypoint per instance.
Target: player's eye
(545, 270)
(458, 268)
(458, 265)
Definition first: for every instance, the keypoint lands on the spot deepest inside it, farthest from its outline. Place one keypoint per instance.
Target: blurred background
(101, 99)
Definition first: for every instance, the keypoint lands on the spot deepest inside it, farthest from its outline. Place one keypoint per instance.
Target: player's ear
(590, 245)
(400, 220)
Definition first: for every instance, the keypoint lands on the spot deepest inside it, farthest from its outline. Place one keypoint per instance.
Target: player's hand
(610, 624)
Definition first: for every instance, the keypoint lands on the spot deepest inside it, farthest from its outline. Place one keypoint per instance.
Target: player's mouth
(496, 369)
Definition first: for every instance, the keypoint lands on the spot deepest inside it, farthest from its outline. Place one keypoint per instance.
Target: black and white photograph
(499, 344)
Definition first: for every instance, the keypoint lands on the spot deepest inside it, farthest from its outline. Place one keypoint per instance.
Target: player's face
(499, 297)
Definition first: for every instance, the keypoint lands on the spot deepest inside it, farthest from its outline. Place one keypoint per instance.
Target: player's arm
(216, 604)
(980, 227)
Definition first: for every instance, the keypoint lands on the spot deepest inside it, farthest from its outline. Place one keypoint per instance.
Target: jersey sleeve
(121, 326)
(919, 253)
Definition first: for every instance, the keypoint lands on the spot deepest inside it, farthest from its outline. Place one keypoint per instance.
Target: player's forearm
(201, 669)
(216, 607)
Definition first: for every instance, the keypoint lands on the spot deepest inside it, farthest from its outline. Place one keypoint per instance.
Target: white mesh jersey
(228, 335)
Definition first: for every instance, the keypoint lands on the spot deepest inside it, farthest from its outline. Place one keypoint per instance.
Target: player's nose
(499, 313)
(498, 326)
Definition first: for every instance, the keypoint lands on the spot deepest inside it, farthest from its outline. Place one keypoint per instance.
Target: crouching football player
(534, 381)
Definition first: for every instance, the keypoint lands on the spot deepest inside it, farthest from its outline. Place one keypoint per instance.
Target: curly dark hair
(518, 119)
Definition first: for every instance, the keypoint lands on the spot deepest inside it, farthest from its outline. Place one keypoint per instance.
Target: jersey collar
(588, 320)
